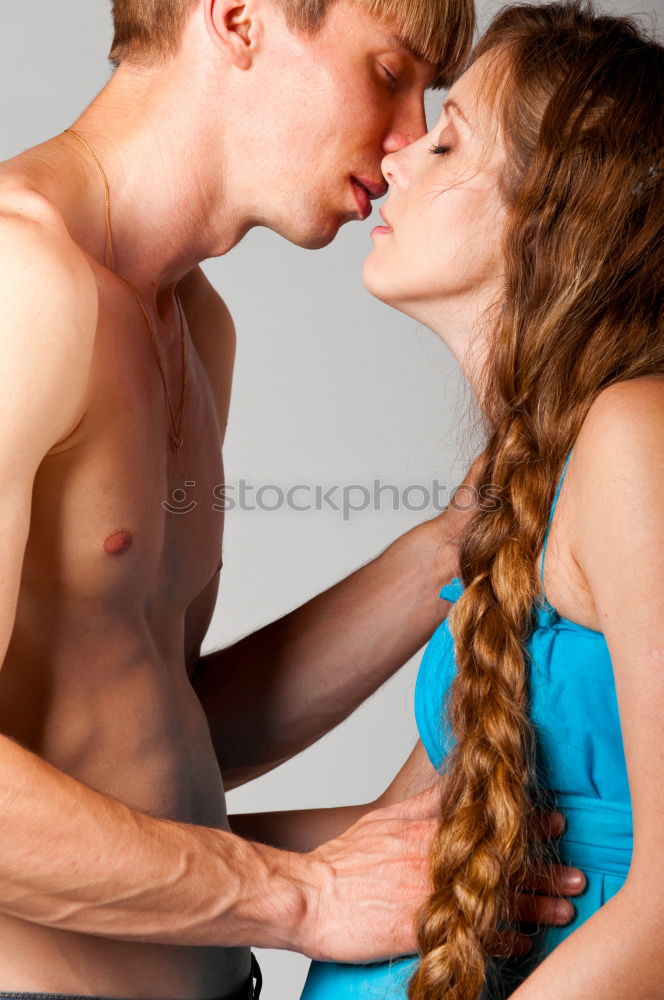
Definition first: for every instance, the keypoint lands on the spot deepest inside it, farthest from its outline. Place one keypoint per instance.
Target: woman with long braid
(527, 230)
(574, 362)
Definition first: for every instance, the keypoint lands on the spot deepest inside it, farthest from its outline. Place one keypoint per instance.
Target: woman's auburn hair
(580, 100)
(438, 31)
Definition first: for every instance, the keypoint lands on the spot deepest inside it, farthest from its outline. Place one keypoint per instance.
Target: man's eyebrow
(401, 43)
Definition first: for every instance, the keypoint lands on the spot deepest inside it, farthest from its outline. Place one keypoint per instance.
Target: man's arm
(279, 690)
(74, 859)
(305, 829)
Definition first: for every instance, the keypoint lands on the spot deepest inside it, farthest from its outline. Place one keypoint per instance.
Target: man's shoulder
(48, 314)
(40, 261)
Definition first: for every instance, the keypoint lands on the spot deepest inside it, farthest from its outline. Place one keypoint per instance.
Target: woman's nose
(394, 169)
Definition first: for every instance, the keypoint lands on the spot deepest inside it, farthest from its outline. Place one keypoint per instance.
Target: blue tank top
(574, 709)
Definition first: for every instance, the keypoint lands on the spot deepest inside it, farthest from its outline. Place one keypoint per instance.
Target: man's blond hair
(437, 31)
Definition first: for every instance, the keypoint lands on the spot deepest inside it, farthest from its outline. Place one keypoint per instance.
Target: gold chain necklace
(176, 440)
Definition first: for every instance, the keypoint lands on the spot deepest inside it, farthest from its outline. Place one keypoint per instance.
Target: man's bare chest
(118, 515)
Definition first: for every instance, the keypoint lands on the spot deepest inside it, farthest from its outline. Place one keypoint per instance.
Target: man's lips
(376, 189)
(365, 191)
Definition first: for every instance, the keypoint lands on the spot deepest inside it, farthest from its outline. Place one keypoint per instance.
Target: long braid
(490, 773)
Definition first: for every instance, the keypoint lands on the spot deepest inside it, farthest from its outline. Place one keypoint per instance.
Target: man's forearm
(279, 690)
(76, 860)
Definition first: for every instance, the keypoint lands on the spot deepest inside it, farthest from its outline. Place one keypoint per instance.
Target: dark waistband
(250, 991)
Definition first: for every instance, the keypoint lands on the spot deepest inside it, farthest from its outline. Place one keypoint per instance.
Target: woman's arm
(619, 546)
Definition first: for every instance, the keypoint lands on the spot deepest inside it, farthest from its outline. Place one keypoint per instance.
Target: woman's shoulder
(614, 485)
(616, 489)
(624, 407)
(623, 431)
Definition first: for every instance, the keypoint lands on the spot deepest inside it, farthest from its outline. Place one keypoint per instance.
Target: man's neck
(171, 206)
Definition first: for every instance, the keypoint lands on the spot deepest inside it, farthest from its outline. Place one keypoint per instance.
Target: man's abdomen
(132, 728)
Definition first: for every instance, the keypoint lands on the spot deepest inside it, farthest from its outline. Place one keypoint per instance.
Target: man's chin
(320, 238)
(315, 235)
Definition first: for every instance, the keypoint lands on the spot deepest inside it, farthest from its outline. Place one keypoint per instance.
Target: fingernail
(574, 880)
(564, 909)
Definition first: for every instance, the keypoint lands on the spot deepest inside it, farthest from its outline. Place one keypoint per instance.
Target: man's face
(326, 111)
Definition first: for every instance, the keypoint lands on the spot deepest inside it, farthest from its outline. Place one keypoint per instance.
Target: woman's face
(438, 259)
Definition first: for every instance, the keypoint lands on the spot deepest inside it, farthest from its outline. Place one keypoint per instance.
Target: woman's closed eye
(439, 150)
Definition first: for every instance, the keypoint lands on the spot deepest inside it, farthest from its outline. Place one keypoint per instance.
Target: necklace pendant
(176, 443)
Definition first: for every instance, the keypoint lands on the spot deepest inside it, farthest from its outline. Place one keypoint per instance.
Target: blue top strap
(553, 507)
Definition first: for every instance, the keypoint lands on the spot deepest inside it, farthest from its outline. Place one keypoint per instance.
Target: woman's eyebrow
(453, 106)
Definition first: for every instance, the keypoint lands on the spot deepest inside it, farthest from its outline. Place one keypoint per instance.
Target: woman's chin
(378, 283)
(389, 292)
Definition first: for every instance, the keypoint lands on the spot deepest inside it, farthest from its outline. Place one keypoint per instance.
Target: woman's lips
(381, 230)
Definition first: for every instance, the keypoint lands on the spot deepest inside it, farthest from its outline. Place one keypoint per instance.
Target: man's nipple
(118, 542)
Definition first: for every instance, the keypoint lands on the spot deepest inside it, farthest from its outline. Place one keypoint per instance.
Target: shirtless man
(119, 875)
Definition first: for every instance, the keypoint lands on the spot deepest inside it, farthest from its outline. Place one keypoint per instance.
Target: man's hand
(371, 882)
(543, 903)
(373, 879)
(439, 538)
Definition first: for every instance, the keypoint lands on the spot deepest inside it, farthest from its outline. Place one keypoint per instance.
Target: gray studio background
(331, 388)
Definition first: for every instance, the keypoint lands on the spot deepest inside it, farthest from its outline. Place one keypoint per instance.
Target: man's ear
(234, 26)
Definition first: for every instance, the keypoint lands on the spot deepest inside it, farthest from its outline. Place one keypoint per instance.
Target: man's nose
(409, 123)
